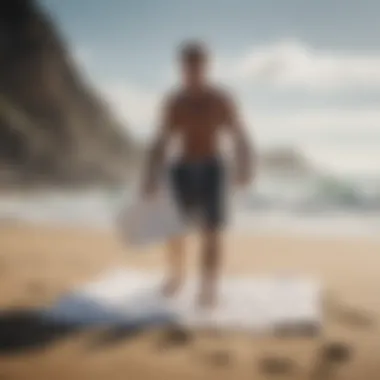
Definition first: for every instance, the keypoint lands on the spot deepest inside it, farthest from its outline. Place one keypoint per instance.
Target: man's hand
(245, 171)
(245, 160)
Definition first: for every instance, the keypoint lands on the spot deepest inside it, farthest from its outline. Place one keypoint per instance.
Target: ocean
(328, 207)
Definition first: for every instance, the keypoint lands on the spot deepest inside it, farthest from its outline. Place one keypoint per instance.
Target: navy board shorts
(198, 189)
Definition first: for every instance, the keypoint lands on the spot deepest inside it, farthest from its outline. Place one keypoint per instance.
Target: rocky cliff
(54, 128)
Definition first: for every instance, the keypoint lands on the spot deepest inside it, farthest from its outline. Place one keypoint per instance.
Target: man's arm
(157, 150)
(245, 152)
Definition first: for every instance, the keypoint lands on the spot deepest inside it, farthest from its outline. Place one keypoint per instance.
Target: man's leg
(210, 267)
(176, 255)
(176, 262)
(212, 200)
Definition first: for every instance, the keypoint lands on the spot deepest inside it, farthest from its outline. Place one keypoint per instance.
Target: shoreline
(257, 228)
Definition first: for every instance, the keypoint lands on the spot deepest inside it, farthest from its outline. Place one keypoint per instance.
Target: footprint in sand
(337, 352)
(275, 366)
(114, 336)
(348, 315)
(175, 337)
(305, 330)
(219, 358)
(356, 318)
(330, 357)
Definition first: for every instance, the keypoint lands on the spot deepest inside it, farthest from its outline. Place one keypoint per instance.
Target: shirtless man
(196, 113)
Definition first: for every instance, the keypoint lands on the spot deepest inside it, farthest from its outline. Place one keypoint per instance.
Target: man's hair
(193, 51)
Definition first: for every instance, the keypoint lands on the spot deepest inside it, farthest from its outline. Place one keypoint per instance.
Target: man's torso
(198, 120)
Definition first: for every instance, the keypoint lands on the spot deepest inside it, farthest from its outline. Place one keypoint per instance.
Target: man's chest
(199, 112)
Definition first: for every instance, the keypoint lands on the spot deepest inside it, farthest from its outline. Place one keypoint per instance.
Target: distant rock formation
(284, 161)
(54, 129)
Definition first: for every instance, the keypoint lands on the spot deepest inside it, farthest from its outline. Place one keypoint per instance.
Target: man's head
(193, 58)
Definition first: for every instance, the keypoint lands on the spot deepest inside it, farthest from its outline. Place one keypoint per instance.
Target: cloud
(290, 63)
(319, 123)
(357, 160)
(342, 139)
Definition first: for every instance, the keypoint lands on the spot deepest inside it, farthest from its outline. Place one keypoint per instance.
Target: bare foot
(171, 287)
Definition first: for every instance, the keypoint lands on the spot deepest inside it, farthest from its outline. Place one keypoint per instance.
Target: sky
(306, 72)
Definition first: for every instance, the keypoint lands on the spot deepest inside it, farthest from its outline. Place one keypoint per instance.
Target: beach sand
(38, 264)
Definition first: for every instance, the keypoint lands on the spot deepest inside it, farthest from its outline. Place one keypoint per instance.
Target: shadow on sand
(33, 329)
(25, 329)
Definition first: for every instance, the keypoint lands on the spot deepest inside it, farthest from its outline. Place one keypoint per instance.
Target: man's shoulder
(174, 96)
(221, 93)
